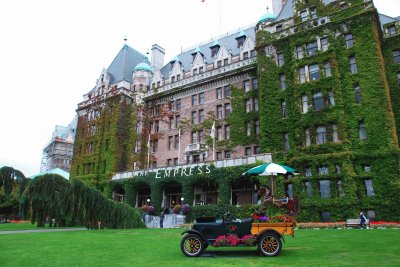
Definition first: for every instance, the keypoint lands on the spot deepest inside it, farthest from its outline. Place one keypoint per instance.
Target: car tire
(192, 245)
(269, 245)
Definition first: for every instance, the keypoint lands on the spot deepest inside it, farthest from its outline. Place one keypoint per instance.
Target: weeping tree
(74, 203)
(12, 185)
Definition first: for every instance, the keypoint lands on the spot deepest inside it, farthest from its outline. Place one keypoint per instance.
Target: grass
(161, 247)
(23, 226)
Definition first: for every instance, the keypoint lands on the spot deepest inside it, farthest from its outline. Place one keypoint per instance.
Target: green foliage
(74, 203)
(380, 149)
(12, 186)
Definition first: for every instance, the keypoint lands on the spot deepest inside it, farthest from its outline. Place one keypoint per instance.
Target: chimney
(277, 6)
(157, 56)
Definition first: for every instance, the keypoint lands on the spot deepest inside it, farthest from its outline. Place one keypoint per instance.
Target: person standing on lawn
(362, 219)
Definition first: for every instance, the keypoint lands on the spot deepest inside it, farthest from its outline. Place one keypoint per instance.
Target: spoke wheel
(192, 245)
(270, 245)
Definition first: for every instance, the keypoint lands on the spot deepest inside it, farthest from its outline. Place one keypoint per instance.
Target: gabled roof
(229, 41)
(386, 19)
(123, 64)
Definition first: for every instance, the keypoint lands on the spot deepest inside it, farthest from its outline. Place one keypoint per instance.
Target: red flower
(233, 228)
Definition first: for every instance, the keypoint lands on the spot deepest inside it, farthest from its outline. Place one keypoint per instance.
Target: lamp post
(148, 202)
(182, 200)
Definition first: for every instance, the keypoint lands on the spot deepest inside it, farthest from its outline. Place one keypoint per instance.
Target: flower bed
(234, 240)
(341, 225)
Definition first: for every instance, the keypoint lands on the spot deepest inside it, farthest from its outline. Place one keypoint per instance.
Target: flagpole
(148, 153)
(179, 146)
(214, 148)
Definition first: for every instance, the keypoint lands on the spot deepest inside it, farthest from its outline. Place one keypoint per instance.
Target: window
(289, 190)
(248, 129)
(340, 188)
(304, 15)
(307, 141)
(194, 100)
(321, 135)
(246, 85)
(219, 112)
(219, 63)
(302, 75)
(279, 27)
(255, 104)
(170, 121)
(171, 105)
(312, 48)
(299, 52)
(248, 151)
(219, 93)
(367, 168)
(313, 12)
(318, 101)
(177, 119)
(324, 188)
(396, 56)
(214, 50)
(194, 71)
(335, 135)
(178, 104)
(253, 53)
(324, 44)
(201, 115)
(361, 130)
(280, 60)
(201, 70)
(227, 91)
(255, 84)
(357, 93)
(257, 150)
(156, 126)
(248, 105)
(176, 141)
(282, 81)
(245, 55)
(170, 142)
(219, 155)
(173, 79)
(194, 117)
(304, 102)
(327, 68)
(308, 172)
(283, 108)
(286, 146)
(201, 136)
(308, 188)
(353, 65)
(331, 99)
(227, 132)
(338, 168)
(322, 170)
(240, 41)
(349, 40)
(226, 61)
(391, 30)
(227, 154)
(369, 188)
(194, 137)
(169, 162)
(227, 109)
(314, 72)
(257, 128)
(201, 98)
(219, 133)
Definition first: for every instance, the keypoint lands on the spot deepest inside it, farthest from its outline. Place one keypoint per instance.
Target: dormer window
(219, 63)
(313, 12)
(214, 50)
(201, 70)
(245, 55)
(240, 41)
(194, 71)
(226, 61)
(343, 4)
(178, 77)
(173, 79)
(304, 15)
(278, 27)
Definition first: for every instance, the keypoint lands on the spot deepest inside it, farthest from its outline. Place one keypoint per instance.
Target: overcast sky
(52, 52)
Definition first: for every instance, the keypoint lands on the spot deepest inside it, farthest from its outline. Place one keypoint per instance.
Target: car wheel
(192, 245)
(270, 245)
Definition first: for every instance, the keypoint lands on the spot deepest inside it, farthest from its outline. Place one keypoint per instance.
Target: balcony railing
(196, 147)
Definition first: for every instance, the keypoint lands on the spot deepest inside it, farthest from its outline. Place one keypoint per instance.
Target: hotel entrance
(172, 195)
(143, 194)
(244, 192)
(205, 193)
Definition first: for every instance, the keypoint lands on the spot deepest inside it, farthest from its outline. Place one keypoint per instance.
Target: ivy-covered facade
(316, 88)
(328, 102)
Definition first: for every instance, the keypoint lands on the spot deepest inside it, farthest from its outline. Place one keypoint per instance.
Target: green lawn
(22, 226)
(161, 247)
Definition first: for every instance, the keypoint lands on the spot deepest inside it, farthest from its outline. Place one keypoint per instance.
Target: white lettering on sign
(174, 172)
